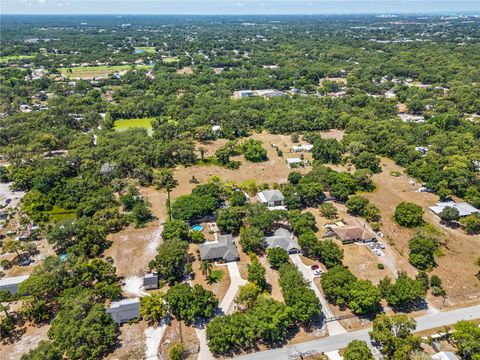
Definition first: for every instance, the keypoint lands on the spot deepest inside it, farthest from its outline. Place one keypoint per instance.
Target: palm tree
(202, 151)
(165, 180)
(206, 268)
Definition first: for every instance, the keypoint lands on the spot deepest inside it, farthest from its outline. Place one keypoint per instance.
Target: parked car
(378, 252)
(26, 262)
(382, 246)
(318, 272)
(314, 267)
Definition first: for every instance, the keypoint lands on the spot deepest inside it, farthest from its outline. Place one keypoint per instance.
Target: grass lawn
(124, 124)
(147, 49)
(59, 214)
(170, 59)
(5, 59)
(96, 71)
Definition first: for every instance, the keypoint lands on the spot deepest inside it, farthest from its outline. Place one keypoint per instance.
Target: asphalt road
(339, 341)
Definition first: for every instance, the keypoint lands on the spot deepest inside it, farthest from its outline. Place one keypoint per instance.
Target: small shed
(150, 281)
(10, 284)
(124, 310)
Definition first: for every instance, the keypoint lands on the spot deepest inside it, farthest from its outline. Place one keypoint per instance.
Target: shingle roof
(281, 238)
(224, 248)
(352, 232)
(270, 195)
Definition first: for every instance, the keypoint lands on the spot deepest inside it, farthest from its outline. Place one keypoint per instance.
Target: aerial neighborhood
(252, 187)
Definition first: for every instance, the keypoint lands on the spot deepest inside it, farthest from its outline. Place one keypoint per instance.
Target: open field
(178, 332)
(456, 266)
(8, 58)
(145, 49)
(90, 72)
(187, 70)
(124, 124)
(169, 59)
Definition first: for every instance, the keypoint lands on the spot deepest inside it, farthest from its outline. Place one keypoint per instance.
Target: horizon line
(254, 14)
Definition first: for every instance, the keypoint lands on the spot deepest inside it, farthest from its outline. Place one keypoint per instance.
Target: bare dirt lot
(178, 332)
(131, 342)
(132, 248)
(28, 340)
(456, 266)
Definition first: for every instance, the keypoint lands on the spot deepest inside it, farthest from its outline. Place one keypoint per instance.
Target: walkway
(333, 327)
(340, 341)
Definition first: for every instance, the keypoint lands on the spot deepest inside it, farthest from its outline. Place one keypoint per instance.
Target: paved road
(334, 327)
(337, 342)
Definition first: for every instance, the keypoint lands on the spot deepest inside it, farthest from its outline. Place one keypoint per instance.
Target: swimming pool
(197, 228)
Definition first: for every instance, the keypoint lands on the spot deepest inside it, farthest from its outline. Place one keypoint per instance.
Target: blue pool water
(197, 227)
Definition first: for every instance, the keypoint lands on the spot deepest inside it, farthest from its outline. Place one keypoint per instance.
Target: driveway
(334, 327)
(333, 343)
(235, 282)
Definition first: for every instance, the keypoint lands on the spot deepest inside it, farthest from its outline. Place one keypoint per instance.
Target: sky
(235, 7)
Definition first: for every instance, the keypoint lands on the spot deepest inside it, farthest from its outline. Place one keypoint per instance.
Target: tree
(225, 334)
(229, 220)
(253, 151)
(271, 320)
(368, 160)
(248, 295)
(364, 297)
(422, 250)
(256, 274)
(467, 339)
(336, 283)
(277, 257)
(153, 308)
(330, 253)
(471, 224)
(404, 292)
(393, 335)
(251, 239)
(12, 246)
(237, 198)
(301, 222)
(449, 214)
(45, 350)
(357, 350)
(326, 150)
(177, 352)
(82, 329)
(409, 214)
(328, 210)
(165, 180)
(206, 268)
(176, 229)
(356, 205)
(310, 244)
(294, 177)
(190, 303)
(171, 261)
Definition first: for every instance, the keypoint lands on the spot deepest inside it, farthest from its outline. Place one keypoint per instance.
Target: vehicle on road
(318, 272)
(314, 267)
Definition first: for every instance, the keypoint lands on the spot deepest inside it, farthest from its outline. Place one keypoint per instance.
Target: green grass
(124, 124)
(97, 71)
(215, 276)
(170, 59)
(59, 214)
(147, 49)
(5, 59)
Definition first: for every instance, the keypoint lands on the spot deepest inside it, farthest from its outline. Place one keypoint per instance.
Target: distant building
(150, 281)
(284, 239)
(10, 284)
(444, 355)
(222, 249)
(26, 234)
(464, 208)
(272, 198)
(353, 232)
(422, 150)
(301, 148)
(124, 310)
(244, 93)
(294, 162)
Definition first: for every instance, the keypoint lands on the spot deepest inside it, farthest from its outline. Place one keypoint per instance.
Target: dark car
(314, 267)
(26, 262)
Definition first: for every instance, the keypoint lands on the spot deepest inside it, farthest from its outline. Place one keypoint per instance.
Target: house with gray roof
(124, 310)
(11, 284)
(272, 198)
(282, 238)
(222, 249)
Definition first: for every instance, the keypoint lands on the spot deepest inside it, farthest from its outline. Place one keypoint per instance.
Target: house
(272, 198)
(124, 310)
(222, 249)
(422, 150)
(282, 238)
(150, 281)
(243, 93)
(464, 208)
(302, 148)
(10, 284)
(353, 232)
(444, 355)
(294, 162)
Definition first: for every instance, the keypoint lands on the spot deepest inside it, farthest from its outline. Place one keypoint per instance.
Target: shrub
(409, 214)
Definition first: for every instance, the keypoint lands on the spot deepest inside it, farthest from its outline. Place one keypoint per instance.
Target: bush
(237, 198)
(177, 352)
(381, 266)
(256, 274)
(471, 224)
(277, 257)
(294, 177)
(253, 151)
(409, 214)
(328, 211)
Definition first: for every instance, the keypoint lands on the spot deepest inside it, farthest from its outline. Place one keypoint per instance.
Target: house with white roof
(11, 284)
(464, 208)
(294, 162)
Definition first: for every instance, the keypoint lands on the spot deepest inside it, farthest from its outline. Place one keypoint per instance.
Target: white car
(318, 272)
(382, 246)
(377, 252)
